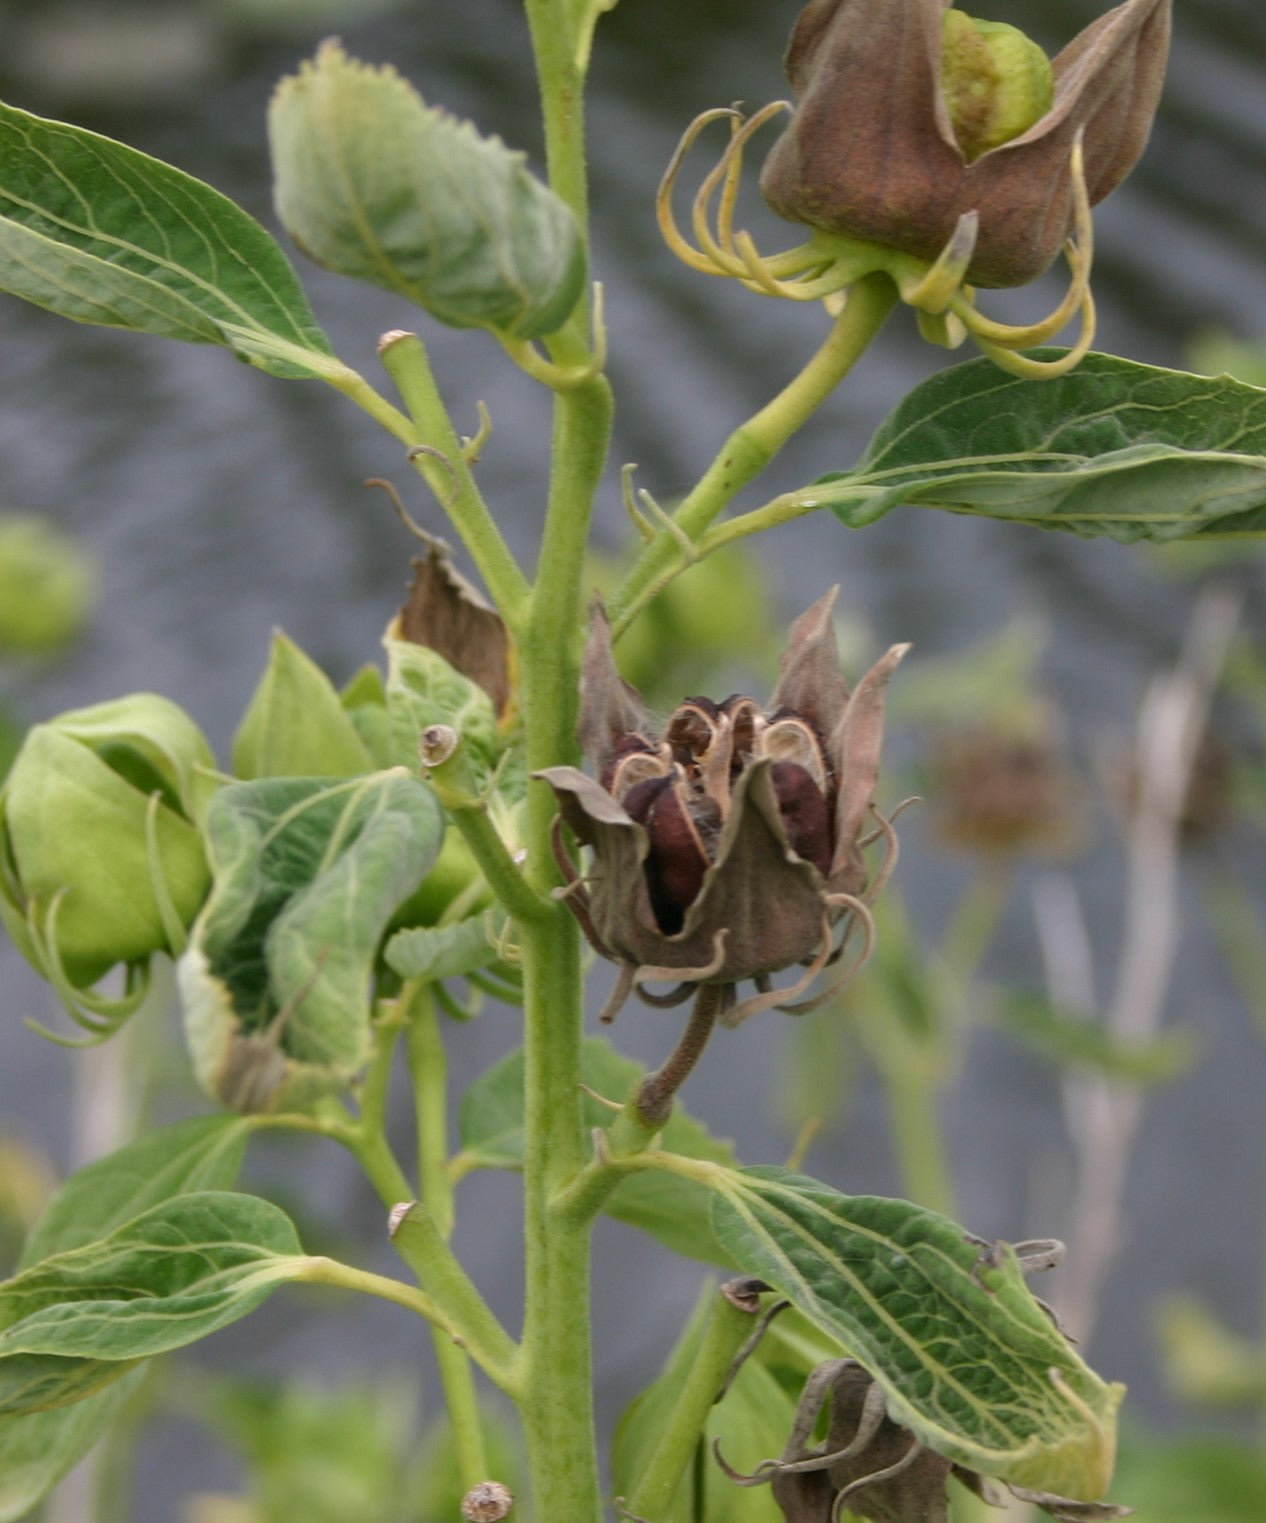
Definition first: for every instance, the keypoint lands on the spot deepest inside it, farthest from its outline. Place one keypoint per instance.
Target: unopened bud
(488, 1502)
(436, 744)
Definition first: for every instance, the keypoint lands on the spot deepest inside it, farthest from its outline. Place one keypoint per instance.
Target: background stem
(429, 1069)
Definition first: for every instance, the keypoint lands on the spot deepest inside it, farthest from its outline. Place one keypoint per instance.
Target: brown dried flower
(1002, 794)
(729, 846)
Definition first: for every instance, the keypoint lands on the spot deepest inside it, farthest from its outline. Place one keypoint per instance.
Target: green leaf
(38, 1448)
(307, 876)
(75, 820)
(295, 725)
(204, 1153)
(441, 951)
(100, 233)
(373, 184)
(670, 1208)
(1070, 1038)
(365, 699)
(424, 690)
(966, 1358)
(1114, 448)
(148, 740)
(190, 1266)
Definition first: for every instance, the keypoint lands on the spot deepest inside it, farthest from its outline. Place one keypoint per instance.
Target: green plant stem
(550, 656)
(752, 445)
(561, 65)
(464, 1314)
(727, 1330)
(449, 1299)
(455, 786)
(318, 1270)
(914, 1093)
(449, 476)
(974, 924)
(557, 1410)
(555, 1373)
(429, 1070)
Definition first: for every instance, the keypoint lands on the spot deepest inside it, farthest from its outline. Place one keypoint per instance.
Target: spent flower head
(728, 845)
(944, 152)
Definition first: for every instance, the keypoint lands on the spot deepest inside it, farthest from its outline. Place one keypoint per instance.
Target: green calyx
(996, 82)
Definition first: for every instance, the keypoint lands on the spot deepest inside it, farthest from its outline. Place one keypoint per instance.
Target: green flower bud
(47, 585)
(296, 725)
(99, 861)
(995, 81)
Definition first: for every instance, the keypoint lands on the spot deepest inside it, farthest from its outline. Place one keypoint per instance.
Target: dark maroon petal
(691, 730)
(677, 861)
(639, 800)
(742, 713)
(633, 759)
(805, 814)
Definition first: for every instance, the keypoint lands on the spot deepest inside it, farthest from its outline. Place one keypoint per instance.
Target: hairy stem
(448, 474)
(654, 1099)
(555, 1374)
(752, 445)
(728, 1327)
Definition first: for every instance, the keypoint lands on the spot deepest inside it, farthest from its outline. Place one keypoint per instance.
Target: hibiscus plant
(475, 817)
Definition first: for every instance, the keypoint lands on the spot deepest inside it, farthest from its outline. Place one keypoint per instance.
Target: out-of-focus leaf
(673, 1209)
(38, 1448)
(1204, 1361)
(1074, 1040)
(1178, 1479)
